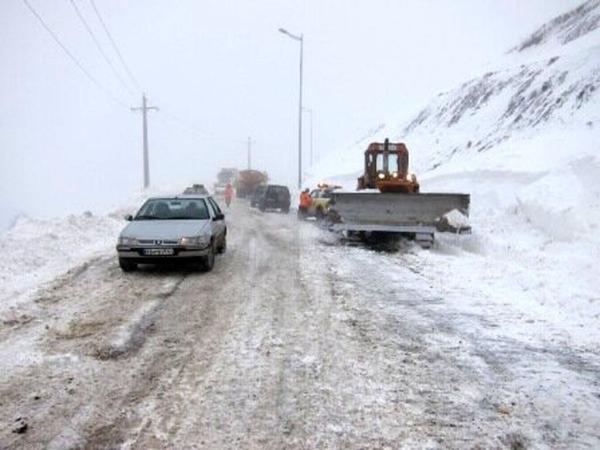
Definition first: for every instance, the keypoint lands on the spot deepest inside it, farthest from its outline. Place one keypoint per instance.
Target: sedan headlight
(395, 174)
(194, 241)
(123, 240)
(381, 175)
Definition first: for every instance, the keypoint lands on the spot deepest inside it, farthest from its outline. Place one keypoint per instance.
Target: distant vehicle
(189, 228)
(320, 200)
(196, 189)
(258, 192)
(225, 176)
(274, 196)
(247, 181)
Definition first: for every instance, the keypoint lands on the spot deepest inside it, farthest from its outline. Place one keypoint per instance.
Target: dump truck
(389, 201)
(248, 180)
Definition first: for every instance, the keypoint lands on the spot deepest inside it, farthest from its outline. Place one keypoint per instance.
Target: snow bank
(36, 251)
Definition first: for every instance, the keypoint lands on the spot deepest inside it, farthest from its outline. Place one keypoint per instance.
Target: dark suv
(274, 197)
(258, 192)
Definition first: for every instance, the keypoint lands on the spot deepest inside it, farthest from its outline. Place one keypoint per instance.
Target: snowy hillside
(566, 27)
(524, 140)
(547, 84)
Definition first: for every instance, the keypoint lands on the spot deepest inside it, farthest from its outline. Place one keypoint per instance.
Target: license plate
(159, 251)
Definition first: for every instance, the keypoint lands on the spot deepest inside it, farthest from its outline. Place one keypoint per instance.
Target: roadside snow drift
(36, 251)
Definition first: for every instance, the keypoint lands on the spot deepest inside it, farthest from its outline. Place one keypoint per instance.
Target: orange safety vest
(305, 200)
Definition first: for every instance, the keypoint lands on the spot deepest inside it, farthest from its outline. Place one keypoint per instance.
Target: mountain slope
(565, 28)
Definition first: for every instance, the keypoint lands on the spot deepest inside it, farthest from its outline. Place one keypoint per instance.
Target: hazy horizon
(220, 72)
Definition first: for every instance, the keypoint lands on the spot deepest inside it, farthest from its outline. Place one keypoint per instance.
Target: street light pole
(249, 153)
(310, 114)
(301, 40)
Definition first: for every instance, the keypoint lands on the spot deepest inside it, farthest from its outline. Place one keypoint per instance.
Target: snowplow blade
(402, 213)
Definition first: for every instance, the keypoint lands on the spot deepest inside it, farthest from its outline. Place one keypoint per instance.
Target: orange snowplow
(391, 202)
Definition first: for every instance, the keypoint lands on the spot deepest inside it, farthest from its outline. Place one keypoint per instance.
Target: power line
(198, 135)
(196, 132)
(114, 45)
(72, 57)
(185, 126)
(100, 49)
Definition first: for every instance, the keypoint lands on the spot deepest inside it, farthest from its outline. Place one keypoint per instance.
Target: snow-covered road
(293, 341)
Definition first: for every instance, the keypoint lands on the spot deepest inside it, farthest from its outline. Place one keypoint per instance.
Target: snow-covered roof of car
(157, 197)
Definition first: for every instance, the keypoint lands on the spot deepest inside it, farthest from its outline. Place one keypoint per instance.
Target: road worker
(228, 194)
(305, 202)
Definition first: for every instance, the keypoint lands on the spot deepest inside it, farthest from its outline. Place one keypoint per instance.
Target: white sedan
(186, 227)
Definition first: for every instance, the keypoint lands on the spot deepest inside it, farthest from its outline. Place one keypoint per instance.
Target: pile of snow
(524, 141)
(457, 220)
(36, 251)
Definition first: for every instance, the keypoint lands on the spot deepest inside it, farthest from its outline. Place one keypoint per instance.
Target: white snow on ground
(36, 251)
(524, 141)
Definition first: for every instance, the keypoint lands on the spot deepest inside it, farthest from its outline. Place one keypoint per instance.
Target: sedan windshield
(173, 209)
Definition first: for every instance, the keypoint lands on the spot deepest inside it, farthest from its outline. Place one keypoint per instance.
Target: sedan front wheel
(223, 246)
(126, 265)
(208, 261)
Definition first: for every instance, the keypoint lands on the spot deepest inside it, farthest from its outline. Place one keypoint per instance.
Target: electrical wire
(114, 45)
(198, 134)
(182, 124)
(72, 57)
(100, 49)
(219, 145)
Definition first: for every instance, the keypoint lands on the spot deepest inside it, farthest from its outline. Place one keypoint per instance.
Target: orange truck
(248, 180)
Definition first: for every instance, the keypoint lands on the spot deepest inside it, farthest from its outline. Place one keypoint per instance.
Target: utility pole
(249, 153)
(310, 113)
(300, 117)
(145, 108)
(301, 40)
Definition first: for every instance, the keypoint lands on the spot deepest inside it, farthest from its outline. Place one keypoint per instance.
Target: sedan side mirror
(220, 216)
(128, 217)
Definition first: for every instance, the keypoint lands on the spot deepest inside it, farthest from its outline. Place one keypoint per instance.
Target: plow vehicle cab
(386, 169)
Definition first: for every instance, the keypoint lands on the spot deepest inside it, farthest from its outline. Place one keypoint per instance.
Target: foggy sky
(221, 72)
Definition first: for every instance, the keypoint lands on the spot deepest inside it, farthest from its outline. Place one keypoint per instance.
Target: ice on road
(292, 341)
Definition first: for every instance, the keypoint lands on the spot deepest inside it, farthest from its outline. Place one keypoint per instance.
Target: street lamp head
(287, 33)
